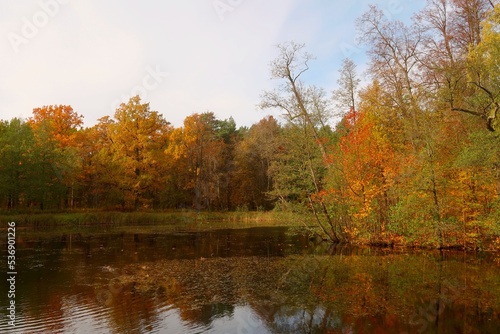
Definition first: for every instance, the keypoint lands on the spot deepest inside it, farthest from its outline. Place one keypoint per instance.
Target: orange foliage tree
(369, 167)
(199, 154)
(138, 139)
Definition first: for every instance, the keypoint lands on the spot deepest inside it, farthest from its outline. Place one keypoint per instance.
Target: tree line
(416, 149)
(135, 160)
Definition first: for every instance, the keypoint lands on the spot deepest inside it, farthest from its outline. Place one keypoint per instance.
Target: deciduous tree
(139, 137)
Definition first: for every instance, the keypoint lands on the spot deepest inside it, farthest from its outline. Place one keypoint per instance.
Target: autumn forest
(408, 152)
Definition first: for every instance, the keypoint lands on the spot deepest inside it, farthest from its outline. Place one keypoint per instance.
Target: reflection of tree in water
(351, 290)
(361, 290)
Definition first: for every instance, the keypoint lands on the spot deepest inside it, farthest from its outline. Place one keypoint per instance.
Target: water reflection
(261, 280)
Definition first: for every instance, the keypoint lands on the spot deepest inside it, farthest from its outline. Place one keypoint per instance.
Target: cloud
(91, 53)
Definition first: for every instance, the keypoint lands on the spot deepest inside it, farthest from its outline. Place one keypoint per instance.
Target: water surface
(256, 280)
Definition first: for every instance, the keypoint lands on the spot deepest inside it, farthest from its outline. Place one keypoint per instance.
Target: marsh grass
(172, 219)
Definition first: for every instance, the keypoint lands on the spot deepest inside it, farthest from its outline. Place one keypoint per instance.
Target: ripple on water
(78, 314)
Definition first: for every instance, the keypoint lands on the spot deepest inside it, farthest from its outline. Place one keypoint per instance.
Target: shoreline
(175, 221)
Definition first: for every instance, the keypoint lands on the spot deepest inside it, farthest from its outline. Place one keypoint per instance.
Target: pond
(252, 280)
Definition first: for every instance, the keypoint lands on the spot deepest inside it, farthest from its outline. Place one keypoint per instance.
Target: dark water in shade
(258, 280)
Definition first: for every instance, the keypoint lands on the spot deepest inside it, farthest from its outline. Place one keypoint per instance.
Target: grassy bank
(170, 221)
(173, 219)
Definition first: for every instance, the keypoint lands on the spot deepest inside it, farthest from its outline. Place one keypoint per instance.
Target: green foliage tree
(55, 159)
(16, 142)
(306, 112)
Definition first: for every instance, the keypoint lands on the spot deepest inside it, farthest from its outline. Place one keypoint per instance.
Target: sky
(182, 57)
